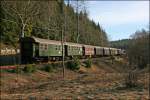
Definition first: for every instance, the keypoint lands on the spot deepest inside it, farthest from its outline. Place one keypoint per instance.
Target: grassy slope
(99, 81)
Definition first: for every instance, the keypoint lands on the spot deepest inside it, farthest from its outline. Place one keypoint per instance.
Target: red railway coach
(88, 50)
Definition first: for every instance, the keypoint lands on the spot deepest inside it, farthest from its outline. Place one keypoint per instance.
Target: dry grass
(101, 81)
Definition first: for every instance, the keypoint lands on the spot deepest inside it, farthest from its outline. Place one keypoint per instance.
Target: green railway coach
(73, 49)
(49, 48)
(33, 48)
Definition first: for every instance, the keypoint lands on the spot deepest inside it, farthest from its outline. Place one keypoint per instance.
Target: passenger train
(35, 49)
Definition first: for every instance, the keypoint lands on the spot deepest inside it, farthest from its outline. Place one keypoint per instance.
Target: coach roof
(46, 41)
(73, 44)
(39, 40)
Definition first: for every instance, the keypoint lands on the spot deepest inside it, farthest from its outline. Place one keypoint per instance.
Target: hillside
(124, 43)
(102, 81)
(48, 19)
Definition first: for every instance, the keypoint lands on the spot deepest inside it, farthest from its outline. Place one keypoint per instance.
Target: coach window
(45, 46)
(69, 48)
(59, 47)
(56, 47)
(41, 46)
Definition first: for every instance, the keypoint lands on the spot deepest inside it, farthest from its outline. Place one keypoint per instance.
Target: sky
(119, 19)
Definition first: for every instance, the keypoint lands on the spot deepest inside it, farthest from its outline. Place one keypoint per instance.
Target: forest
(49, 20)
(137, 47)
(123, 44)
(138, 51)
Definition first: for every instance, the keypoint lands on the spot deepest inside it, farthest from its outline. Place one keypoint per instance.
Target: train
(34, 49)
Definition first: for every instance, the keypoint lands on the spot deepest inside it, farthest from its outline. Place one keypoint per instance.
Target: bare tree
(22, 11)
(139, 48)
(79, 5)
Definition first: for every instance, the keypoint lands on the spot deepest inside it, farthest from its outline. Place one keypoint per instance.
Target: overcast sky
(120, 19)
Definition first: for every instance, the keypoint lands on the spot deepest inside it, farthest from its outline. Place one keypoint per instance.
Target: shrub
(56, 65)
(88, 63)
(48, 68)
(34, 68)
(73, 65)
(30, 68)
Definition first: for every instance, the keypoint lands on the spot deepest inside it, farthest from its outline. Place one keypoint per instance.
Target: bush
(56, 65)
(88, 63)
(34, 68)
(48, 68)
(74, 65)
(30, 68)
